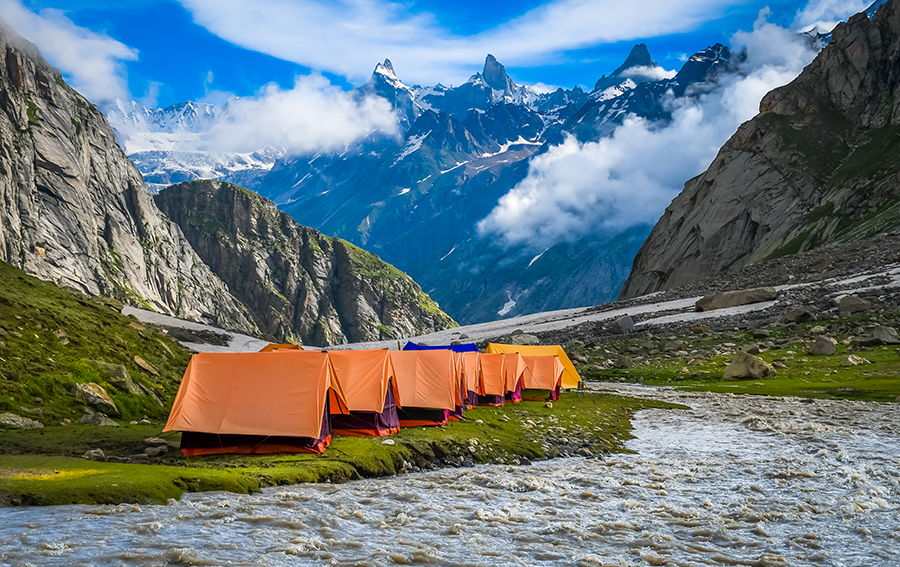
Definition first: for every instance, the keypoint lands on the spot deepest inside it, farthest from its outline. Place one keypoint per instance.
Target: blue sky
(163, 51)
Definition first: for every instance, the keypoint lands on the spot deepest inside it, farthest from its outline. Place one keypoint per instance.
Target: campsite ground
(43, 467)
(671, 345)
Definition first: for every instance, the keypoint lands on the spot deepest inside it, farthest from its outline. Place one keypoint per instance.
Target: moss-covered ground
(52, 338)
(42, 467)
(696, 361)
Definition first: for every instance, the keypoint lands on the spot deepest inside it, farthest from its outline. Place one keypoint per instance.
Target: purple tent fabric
(199, 443)
(369, 423)
(491, 400)
(515, 395)
(467, 347)
(472, 399)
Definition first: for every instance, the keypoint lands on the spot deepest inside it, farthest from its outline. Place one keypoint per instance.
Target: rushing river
(736, 480)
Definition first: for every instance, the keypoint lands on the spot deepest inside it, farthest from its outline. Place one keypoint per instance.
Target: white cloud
(823, 15)
(313, 115)
(543, 88)
(628, 179)
(652, 73)
(90, 61)
(346, 37)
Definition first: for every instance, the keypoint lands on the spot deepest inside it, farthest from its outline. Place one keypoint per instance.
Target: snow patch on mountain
(412, 145)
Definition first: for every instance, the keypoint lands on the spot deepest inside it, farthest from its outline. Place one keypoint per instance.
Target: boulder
(622, 326)
(852, 304)
(799, 315)
(146, 366)
(701, 330)
(823, 346)
(877, 337)
(887, 335)
(118, 376)
(853, 360)
(95, 395)
(624, 362)
(155, 442)
(18, 422)
(526, 339)
(735, 298)
(156, 451)
(761, 333)
(94, 455)
(98, 419)
(745, 366)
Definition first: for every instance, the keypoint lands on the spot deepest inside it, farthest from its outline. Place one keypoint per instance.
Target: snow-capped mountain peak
(638, 66)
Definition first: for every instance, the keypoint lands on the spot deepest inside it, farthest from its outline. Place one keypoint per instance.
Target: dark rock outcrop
(817, 165)
(74, 209)
(299, 284)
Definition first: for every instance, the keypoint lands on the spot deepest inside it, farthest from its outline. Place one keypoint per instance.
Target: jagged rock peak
(638, 57)
(385, 68)
(494, 74)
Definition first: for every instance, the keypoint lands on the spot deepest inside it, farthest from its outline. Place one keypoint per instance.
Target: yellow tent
(570, 377)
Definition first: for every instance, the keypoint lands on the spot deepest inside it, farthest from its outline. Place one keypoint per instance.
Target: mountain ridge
(816, 165)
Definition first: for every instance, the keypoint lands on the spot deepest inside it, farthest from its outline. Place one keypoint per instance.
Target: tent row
(288, 400)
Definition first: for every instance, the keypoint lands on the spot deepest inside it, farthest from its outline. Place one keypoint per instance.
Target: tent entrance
(423, 417)
(195, 443)
(369, 423)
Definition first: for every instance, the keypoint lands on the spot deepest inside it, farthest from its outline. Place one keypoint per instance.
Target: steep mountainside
(76, 211)
(819, 164)
(299, 284)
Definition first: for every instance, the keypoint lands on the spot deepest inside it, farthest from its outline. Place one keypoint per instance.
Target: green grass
(32, 112)
(51, 338)
(803, 375)
(39, 466)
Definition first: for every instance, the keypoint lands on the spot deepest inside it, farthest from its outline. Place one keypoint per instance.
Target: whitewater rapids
(735, 480)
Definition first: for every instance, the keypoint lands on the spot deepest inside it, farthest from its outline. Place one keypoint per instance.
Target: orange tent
(283, 346)
(427, 383)
(545, 378)
(470, 368)
(514, 370)
(255, 403)
(570, 375)
(367, 381)
(493, 379)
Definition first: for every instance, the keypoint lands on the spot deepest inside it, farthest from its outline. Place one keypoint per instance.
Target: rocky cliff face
(819, 164)
(75, 210)
(299, 284)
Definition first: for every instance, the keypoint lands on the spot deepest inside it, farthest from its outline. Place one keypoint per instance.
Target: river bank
(44, 467)
(736, 480)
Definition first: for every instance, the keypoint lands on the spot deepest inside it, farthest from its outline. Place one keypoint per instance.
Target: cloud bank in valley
(314, 115)
(627, 179)
(93, 62)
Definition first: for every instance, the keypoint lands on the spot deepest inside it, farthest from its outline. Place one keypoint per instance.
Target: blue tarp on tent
(468, 347)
